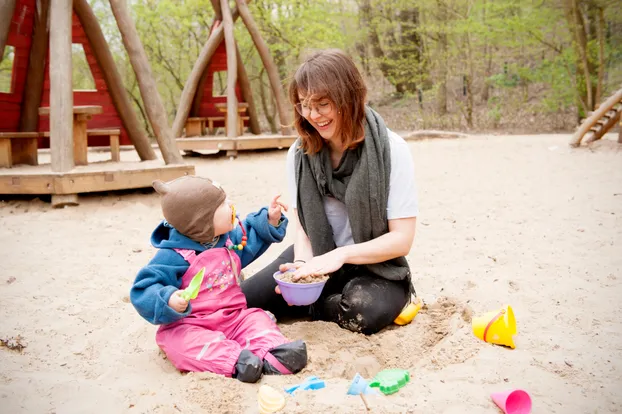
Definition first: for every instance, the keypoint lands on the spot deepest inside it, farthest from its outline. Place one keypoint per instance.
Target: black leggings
(356, 300)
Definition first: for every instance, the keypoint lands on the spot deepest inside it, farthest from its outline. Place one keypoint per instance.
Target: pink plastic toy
(513, 401)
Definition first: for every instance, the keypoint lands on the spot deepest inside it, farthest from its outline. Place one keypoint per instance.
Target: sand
(520, 220)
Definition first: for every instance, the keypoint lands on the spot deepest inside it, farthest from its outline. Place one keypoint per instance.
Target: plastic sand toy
(496, 327)
(390, 381)
(409, 312)
(311, 383)
(192, 290)
(299, 294)
(513, 401)
(360, 386)
(269, 400)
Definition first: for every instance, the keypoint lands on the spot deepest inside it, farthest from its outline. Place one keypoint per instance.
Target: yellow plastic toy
(496, 327)
(269, 399)
(409, 312)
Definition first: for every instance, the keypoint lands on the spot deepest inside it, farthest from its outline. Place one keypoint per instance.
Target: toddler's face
(224, 218)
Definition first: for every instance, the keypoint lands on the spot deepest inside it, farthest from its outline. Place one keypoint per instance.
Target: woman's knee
(367, 306)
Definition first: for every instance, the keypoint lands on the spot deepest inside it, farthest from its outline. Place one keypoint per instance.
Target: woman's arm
(302, 244)
(397, 242)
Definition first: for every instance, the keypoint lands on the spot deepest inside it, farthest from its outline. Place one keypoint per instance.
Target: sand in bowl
(288, 277)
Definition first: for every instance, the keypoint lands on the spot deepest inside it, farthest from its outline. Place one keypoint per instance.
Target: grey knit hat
(189, 204)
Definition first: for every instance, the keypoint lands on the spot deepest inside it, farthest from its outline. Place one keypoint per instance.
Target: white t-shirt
(402, 202)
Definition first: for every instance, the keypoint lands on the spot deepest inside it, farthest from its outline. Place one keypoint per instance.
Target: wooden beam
(6, 17)
(268, 62)
(113, 80)
(146, 83)
(596, 115)
(247, 94)
(217, 9)
(195, 110)
(33, 89)
(198, 71)
(61, 93)
(232, 71)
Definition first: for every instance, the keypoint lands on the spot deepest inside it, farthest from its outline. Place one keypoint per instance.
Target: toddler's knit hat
(189, 204)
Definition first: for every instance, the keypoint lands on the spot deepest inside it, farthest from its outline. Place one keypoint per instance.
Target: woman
(354, 197)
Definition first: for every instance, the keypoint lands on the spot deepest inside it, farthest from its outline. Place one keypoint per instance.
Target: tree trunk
(61, 94)
(266, 58)
(577, 28)
(33, 89)
(247, 94)
(146, 83)
(601, 54)
(232, 71)
(6, 17)
(113, 80)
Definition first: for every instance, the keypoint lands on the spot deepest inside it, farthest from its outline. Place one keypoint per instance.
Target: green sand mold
(192, 290)
(390, 381)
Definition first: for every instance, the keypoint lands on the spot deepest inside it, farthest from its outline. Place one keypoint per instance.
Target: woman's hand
(274, 210)
(321, 265)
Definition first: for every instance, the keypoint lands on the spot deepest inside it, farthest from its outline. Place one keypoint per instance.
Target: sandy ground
(522, 220)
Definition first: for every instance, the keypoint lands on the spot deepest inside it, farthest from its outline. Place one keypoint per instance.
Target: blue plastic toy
(311, 383)
(360, 386)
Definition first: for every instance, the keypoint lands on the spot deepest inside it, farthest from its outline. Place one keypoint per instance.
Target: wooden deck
(232, 145)
(94, 177)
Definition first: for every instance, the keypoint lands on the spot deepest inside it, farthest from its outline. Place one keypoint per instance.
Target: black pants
(355, 299)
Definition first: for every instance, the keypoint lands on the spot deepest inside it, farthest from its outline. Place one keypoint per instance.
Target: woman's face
(224, 218)
(321, 114)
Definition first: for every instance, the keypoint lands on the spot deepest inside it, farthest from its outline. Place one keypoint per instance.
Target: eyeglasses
(323, 107)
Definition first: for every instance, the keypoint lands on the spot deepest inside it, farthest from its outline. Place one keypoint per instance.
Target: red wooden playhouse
(38, 106)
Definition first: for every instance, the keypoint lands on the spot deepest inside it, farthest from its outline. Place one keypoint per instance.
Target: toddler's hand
(274, 210)
(178, 303)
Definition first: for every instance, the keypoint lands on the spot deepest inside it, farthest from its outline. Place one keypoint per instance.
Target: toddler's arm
(154, 285)
(260, 233)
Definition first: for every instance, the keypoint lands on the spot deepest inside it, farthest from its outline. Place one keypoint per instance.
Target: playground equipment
(200, 110)
(600, 121)
(41, 110)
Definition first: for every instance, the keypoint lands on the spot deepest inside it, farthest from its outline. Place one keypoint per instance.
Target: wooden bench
(195, 125)
(18, 148)
(210, 123)
(113, 134)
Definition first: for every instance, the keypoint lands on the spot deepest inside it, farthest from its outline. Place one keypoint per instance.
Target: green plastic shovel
(192, 290)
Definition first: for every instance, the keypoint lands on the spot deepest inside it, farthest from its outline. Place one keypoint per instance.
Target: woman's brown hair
(330, 74)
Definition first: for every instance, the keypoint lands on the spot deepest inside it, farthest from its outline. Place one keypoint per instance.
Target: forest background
(523, 66)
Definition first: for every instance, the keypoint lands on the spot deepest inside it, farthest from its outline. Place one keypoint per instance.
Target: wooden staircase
(605, 117)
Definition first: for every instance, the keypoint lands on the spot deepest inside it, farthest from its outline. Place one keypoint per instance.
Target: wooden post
(620, 132)
(198, 71)
(111, 75)
(146, 83)
(6, 17)
(33, 89)
(247, 94)
(232, 71)
(596, 115)
(268, 62)
(195, 110)
(61, 93)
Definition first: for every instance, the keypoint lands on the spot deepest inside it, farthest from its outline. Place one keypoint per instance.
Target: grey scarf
(361, 182)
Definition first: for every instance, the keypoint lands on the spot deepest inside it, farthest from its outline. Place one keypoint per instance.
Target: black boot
(292, 355)
(248, 368)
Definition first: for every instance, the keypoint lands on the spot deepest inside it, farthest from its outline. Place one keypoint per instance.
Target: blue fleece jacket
(156, 282)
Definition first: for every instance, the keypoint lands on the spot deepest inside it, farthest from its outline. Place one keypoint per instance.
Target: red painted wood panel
(20, 37)
(217, 64)
(109, 118)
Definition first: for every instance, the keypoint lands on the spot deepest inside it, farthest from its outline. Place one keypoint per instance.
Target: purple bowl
(299, 294)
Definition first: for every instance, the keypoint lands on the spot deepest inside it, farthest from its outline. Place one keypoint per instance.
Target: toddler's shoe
(248, 368)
